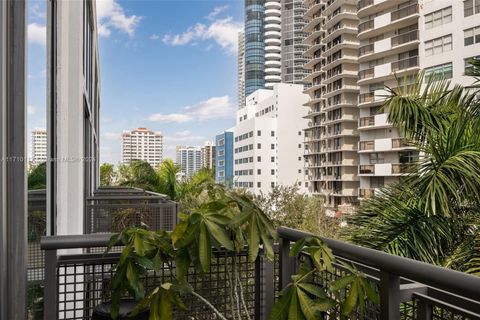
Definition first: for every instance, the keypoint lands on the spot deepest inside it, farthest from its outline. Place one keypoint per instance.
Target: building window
(272, 184)
(299, 133)
(272, 159)
(259, 171)
(376, 158)
(221, 163)
(259, 133)
(377, 182)
(221, 153)
(438, 18)
(272, 146)
(221, 142)
(299, 170)
(438, 45)
(272, 172)
(469, 9)
(259, 146)
(221, 173)
(471, 36)
(469, 68)
(272, 133)
(259, 184)
(440, 72)
(259, 159)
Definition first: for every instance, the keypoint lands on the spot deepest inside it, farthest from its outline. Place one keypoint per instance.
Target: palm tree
(139, 174)
(433, 214)
(168, 182)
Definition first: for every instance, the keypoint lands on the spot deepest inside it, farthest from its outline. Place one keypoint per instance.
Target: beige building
(331, 137)
(39, 146)
(208, 155)
(142, 144)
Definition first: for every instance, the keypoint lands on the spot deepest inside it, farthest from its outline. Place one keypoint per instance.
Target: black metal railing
(114, 208)
(76, 281)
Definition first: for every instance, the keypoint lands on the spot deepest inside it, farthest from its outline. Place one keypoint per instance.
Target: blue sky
(169, 66)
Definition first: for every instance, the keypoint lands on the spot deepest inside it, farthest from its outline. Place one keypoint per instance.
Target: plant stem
(243, 298)
(209, 305)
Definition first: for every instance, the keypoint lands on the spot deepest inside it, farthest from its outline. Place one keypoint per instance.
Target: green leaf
(372, 295)
(341, 283)
(297, 247)
(253, 239)
(313, 289)
(350, 302)
(281, 307)
(113, 241)
(182, 264)
(205, 248)
(220, 235)
(306, 304)
(133, 280)
(294, 310)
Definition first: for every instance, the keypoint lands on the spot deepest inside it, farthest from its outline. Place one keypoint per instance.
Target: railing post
(269, 287)
(424, 310)
(50, 289)
(287, 263)
(389, 296)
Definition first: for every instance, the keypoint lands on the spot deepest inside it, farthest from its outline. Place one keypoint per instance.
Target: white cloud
(154, 37)
(111, 15)
(37, 12)
(172, 117)
(37, 34)
(223, 31)
(216, 11)
(213, 108)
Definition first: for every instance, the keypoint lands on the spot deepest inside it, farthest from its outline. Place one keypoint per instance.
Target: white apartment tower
(273, 42)
(241, 68)
(331, 137)
(189, 159)
(389, 48)
(401, 38)
(208, 155)
(39, 146)
(142, 144)
(268, 139)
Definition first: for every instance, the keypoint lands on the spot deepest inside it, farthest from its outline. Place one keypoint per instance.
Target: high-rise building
(389, 52)
(241, 68)
(142, 144)
(208, 155)
(273, 42)
(293, 47)
(189, 159)
(268, 145)
(254, 46)
(331, 136)
(39, 146)
(224, 157)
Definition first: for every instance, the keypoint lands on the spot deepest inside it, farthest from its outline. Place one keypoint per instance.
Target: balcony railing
(364, 3)
(366, 97)
(405, 64)
(366, 169)
(404, 38)
(369, 48)
(76, 283)
(367, 121)
(364, 74)
(366, 145)
(367, 25)
(404, 12)
(401, 143)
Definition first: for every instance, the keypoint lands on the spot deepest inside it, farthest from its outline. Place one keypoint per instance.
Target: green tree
(37, 178)
(107, 174)
(288, 207)
(433, 214)
(168, 182)
(139, 174)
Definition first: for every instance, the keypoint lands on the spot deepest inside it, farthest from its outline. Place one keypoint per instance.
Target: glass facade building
(254, 46)
(224, 158)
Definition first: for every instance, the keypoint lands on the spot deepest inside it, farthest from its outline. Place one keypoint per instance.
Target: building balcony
(389, 70)
(273, 5)
(272, 26)
(384, 145)
(389, 46)
(368, 7)
(372, 98)
(374, 122)
(271, 13)
(80, 279)
(273, 34)
(392, 20)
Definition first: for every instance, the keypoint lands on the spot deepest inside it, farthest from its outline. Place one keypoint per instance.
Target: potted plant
(230, 221)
